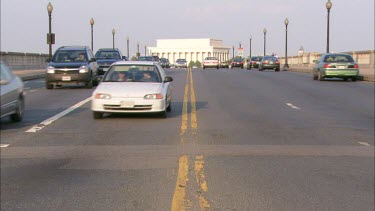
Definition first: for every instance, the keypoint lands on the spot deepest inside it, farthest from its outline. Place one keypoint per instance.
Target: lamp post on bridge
(286, 22)
(113, 38)
(50, 36)
(92, 33)
(328, 6)
(251, 37)
(127, 46)
(264, 32)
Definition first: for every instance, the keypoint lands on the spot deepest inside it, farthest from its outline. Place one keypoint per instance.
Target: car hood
(67, 65)
(128, 89)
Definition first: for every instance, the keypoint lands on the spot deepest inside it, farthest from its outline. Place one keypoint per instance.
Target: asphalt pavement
(236, 139)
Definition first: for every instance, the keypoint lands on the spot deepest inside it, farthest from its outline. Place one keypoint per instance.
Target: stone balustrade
(24, 61)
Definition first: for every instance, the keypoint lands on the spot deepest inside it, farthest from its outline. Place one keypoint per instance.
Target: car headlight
(154, 96)
(102, 96)
(50, 69)
(83, 69)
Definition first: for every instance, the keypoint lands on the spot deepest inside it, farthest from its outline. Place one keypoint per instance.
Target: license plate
(105, 69)
(271, 62)
(66, 78)
(341, 67)
(127, 104)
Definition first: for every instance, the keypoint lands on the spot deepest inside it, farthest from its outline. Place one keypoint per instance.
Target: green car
(335, 65)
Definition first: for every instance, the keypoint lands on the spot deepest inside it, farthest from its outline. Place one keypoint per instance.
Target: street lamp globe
(49, 8)
(286, 22)
(264, 30)
(329, 5)
(92, 21)
(113, 31)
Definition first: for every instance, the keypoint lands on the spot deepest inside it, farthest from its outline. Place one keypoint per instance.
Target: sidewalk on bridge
(26, 75)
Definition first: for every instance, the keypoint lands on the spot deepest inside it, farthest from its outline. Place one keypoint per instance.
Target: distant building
(190, 49)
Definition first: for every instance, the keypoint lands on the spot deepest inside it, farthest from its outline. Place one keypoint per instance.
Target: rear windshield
(210, 58)
(146, 58)
(107, 55)
(133, 73)
(67, 56)
(181, 60)
(238, 59)
(256, 59)
(270, 58)
(338, 58)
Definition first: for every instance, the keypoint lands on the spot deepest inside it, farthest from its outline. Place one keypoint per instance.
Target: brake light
(326, 65)
(265, 62)
(277, 62)
(356, 66)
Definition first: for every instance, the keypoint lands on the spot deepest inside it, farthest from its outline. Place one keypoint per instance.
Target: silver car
(12, 95)
(133, 87)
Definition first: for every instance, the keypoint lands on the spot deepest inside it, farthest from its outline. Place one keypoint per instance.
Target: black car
(164, 63)
(106, 56)
(237, 62)
(146, 58)
(72, 65)
(254, 62)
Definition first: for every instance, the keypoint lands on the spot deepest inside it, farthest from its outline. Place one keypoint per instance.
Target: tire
(49, 85)
(354, 78)
(315, 77)
(163, 114)
(18, 116)
(345, 79)
(97, 115)
(277, 69)
(89, 85)
(320, 77)
(204, 67)
(217, 67)
(169, 108)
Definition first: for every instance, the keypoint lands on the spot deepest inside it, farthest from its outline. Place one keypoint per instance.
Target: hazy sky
(24, 23)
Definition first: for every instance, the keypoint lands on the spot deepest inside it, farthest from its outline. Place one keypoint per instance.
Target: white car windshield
(133, 73)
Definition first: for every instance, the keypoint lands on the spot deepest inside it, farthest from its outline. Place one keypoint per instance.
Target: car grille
(118, 108)
(70, 71)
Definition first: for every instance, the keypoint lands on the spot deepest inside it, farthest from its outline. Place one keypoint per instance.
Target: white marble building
(190, 49)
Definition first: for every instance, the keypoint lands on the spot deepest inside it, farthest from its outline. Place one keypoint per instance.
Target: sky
(24, 24)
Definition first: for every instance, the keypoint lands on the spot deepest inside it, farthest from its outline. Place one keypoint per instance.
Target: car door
(8, 90)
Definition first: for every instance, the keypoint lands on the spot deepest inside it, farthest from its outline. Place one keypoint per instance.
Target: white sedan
(133, 87)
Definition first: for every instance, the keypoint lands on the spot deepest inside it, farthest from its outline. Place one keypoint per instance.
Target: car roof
(135, 63)
(73, 47)
(108, 49)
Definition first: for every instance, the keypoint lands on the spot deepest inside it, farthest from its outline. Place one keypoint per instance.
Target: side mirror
(92, 60)
(124, 58)
(316, 61)
(168, 79)
(48, 60)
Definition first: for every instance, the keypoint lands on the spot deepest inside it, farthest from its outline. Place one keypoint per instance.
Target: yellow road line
(201, 181)
(178, 203)
(184, 122)
(193, 114)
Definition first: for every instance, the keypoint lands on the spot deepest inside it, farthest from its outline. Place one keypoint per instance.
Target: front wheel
(277, 69)
(17, 117)
(89, 85)
(320, 76)
(97, 115)
(49, 85)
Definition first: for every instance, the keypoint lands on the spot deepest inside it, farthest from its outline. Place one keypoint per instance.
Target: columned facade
(190, 49)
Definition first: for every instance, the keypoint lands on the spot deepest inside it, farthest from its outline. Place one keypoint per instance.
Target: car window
(70, 56)
(107, 55)
(134, 73)
(5, 73)
(338, 58)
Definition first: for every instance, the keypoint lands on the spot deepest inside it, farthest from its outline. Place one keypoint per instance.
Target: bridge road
(235, 140)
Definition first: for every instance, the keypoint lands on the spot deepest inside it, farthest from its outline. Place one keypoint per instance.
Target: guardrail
(24, 61)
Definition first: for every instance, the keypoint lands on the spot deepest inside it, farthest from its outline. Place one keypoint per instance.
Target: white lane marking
(57, 116)
(33, 90)
(364, 144)
(292, 106)
(4, 145)
(26, 88)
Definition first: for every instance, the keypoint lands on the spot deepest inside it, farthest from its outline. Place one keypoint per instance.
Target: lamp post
(127, 46)
(328, 6)
(113, 38)
(264, 32)
(233, 52)
(251, 37)
(92, 33)
(138, 50)
(50, 37)
(145, 50)
(286, 22)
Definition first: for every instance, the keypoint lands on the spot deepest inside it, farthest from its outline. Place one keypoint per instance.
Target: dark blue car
(106, 56)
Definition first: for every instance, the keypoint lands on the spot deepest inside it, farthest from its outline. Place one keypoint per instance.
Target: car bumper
(128, 105)
(271, 66)
(68, 78)
(340, 73)
(102, 70)
(181, 65)
(211, 65)
(237, 65)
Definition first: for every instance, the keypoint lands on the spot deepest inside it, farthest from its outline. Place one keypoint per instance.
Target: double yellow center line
(180, 201)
